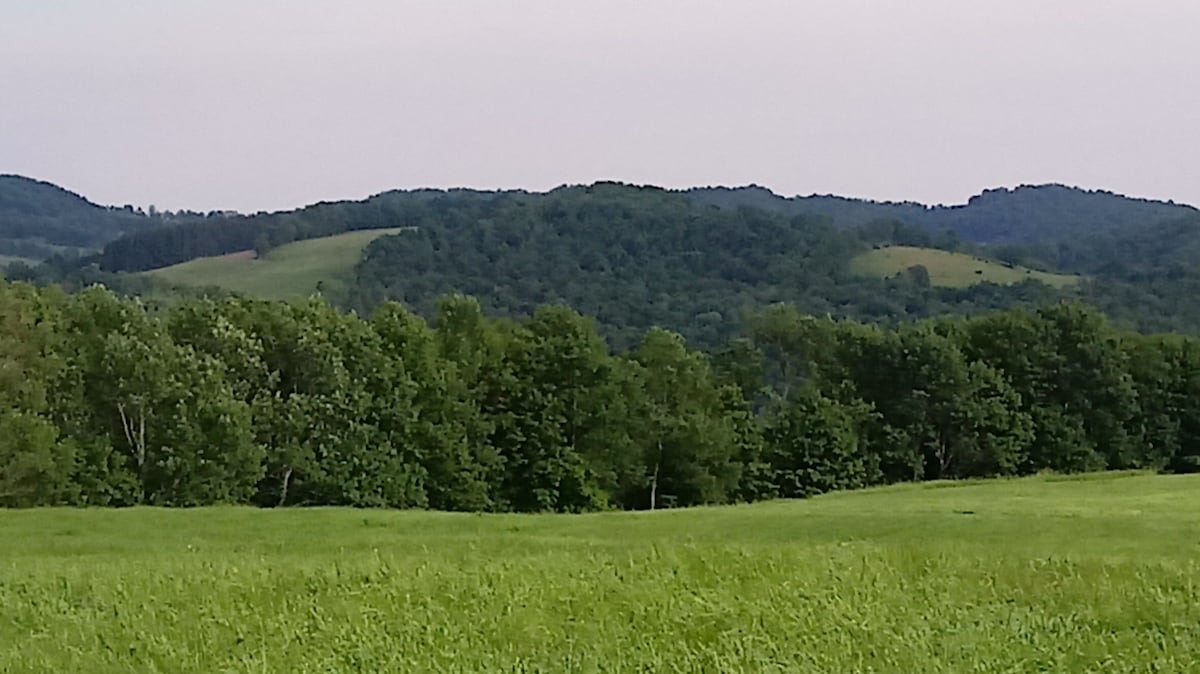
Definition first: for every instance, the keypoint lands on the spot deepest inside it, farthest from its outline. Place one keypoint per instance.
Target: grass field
(1092, 574)
(289, 271)
(951, 270)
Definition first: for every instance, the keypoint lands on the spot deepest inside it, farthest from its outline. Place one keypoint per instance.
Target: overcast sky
(269, 104)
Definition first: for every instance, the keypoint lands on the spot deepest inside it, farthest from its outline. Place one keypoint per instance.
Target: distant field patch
(294, 270)
(240, 255)
(950, 270)
(6, 260)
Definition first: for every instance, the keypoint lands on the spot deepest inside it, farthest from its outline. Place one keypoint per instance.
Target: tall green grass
(1008, 576)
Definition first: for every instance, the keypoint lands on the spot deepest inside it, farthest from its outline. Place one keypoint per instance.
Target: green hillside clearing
(6, 260)
(1095, 573)
(293, 270)
(951, 270)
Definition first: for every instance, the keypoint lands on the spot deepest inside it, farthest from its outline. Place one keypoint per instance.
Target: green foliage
(687, 436)
(36, 466)
(184, 438)
(1018, 215)
(548, 396)
(236, 400)
(1071, 373)
(631, 257)
(448, 428)
(1166, 375)
(816, 445)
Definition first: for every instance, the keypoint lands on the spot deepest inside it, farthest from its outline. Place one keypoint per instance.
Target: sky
(274, 104)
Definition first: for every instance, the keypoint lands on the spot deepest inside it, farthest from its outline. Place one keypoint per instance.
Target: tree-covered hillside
(38, 219)
(636, 257)
(190, 239)
(1022, 215)
(696, 261)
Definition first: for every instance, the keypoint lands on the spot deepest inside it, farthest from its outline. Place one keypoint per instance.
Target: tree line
(248, 401)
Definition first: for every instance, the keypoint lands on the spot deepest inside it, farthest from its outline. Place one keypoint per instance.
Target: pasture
(1097, 573)
(293, 270)
(950, 270)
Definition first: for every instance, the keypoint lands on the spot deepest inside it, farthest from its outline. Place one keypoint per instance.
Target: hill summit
(1024, 214)
(692, 260)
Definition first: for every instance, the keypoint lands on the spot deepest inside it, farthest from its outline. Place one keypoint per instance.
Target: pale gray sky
(268, 104)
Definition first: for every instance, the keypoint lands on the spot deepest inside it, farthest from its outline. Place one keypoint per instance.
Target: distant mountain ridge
(692, 260)
(19, 194)
(39, 219)
(1024, 214)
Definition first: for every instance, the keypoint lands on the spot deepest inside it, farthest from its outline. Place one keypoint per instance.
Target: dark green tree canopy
(234, 400)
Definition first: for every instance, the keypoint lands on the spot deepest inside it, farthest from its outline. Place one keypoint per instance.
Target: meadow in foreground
(1084, 574)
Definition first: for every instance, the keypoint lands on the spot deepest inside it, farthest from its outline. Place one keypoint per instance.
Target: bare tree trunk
(787, 374)
(654, 481)
(945, 458)
(136, 437)
(128, 430)
(141, 444)
(287, 478)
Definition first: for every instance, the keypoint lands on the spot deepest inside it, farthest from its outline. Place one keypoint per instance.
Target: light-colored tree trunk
(283, 492)
(135, 435)
(654, 479)
(945, 458)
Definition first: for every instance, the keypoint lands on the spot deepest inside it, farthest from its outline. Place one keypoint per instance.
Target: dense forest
(39, 220)
(638, 257)
(696, 262)
(1021, 215)
(248, 401)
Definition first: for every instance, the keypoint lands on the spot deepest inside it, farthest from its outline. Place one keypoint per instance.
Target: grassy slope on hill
(289, 271)
(950, 270)
(1096, 573)
(6, 260)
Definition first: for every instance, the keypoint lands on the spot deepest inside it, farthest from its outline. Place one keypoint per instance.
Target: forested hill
(638, 257)
(1025, 214)
(696, 261)
(39, 219)
(262, 232)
